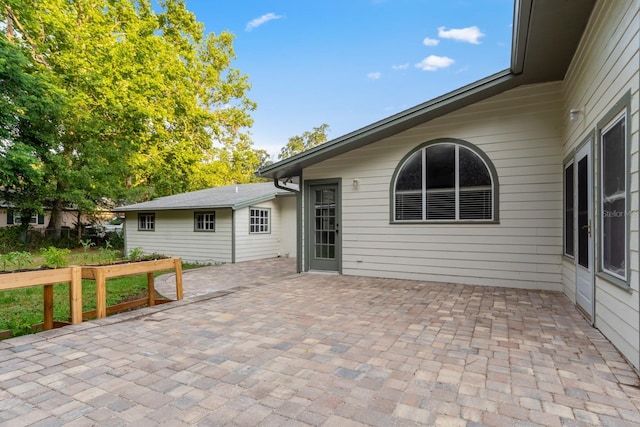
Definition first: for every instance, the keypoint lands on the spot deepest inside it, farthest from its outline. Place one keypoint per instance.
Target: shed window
(146, 222)
(205, 221)
(444, 181)
(259, 220)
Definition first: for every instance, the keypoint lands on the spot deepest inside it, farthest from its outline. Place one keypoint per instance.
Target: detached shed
(226, 224)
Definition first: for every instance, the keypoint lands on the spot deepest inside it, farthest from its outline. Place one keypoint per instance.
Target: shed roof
(546, 34)
(230, 196)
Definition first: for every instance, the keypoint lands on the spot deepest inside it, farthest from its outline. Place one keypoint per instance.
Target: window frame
(495, 186)
(619, 112)
(205, 230)
(17, 217)
(14, 217)
(260, 226)
(148, 215)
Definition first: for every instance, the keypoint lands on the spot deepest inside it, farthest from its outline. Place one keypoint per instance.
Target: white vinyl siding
(520, 133)
(605, 69)
(288, 226)
(175, 236)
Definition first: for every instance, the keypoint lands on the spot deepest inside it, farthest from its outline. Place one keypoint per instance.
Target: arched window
(445, 180)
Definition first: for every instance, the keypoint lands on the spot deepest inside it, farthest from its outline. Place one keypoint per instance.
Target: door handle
(588, 227)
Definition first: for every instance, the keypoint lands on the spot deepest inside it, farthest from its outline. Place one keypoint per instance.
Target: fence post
(101, 294)
(48, 307)
(151, 289)
(75, 295)
(178, 269)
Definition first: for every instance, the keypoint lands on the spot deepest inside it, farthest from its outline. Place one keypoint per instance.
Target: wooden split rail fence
(74, 275)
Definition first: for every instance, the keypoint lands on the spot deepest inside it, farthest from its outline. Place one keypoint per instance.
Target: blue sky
(349, 63)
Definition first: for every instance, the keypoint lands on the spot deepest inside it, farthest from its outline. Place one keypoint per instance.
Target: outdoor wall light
(574, 114)
(355, 182)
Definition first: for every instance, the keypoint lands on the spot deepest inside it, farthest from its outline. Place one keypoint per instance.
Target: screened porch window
(569, 231)
(444, 182)
(613, 199)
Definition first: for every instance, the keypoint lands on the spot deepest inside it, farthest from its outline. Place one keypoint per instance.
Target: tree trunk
(79, 225)
(55, 222)
(9, 30)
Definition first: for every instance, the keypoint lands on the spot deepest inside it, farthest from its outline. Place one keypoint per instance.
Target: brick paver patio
(325, 350)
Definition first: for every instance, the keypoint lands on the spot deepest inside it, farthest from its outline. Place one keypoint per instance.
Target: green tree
(309, 139)
(151, 104)
(29, 112)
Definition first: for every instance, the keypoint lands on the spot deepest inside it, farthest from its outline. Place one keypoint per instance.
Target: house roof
(230, 196)
(546, 34)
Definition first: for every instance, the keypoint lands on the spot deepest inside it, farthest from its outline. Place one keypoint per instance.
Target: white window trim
(17, 218)
(260, 226)
(204, 221)
(153, 221)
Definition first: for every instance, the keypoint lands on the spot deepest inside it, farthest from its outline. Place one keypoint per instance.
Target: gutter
(276, 183)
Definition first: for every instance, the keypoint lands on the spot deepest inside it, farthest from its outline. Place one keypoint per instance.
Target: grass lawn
(20, 309)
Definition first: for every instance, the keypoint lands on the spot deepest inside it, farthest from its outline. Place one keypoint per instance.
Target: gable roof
(230, 196)
(546, 34)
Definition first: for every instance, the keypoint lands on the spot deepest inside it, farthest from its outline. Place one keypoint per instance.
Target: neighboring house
(528, 178)
(10, 217)
(224, 224)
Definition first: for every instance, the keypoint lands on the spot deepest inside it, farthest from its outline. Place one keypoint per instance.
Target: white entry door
(584, 230)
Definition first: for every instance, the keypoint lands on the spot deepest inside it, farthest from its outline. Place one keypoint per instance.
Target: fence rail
(74, 275)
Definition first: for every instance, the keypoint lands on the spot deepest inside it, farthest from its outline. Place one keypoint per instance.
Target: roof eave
(545, 35)
(392, 125)
(169, 208)
(234, 206)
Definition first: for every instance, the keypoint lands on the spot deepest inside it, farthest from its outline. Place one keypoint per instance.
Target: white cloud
(469, 34)
(430, 42)
(374, 76)
(255, 23)
(400, 67)
(433, 63)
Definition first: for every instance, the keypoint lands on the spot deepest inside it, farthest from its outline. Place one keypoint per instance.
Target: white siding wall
(520, 131)
(604, 68)
(174, 236)
(258, 245)
(288, 226)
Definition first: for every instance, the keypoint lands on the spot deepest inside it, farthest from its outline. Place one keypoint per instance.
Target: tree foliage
(309, 139)
(124, 102)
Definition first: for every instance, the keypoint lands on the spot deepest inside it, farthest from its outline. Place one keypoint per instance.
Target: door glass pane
(583, 212)
(325, 221)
